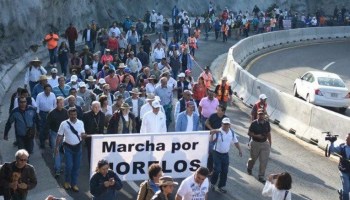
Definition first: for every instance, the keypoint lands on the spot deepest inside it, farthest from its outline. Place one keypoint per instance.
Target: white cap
(74, 78)
(54, 70)
(181, 75)
(156, 104)
(82, 84)
(262, 96)
(226, 120)
(87, 67)
(101, 81)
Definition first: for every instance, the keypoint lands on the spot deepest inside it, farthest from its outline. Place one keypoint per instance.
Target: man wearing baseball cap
(260, 131)
(223, 137)
(53, 81)
(154, 121)
(261, 104)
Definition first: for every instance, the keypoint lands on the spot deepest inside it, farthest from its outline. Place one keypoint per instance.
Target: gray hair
(95, 103)
(22, 152)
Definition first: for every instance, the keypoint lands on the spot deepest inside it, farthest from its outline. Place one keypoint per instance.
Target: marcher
(260, 131)
(53, 80)
(54, 120)
(122, 121)
(39, 87)
(214, 121)
(46, 101)
(166, 96)
(17, 177)
(72, 132)
(207, 76)
(344, 167)
(222, 139)
(105, 182)
(199, 90)
(166, 185)
(72, 36)
(188, 120)
(277, 186)
(261, 104)
(26, 121)
(149, 187)
(148, 105)
(33, 73)
(135, 103)
(94, 121)
(195, 186)
(224, 92)
(154, 121)
(51, 40)
(63, 57)
(62, 90)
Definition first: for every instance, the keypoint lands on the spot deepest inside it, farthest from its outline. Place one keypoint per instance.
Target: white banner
(129, 155)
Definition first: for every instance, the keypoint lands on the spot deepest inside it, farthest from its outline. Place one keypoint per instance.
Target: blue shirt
(336, 149)
(165, 94)
(57, 91)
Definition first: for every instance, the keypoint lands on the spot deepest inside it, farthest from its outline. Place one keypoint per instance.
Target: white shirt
(153, 123)
(189, 123)
(146, 108)
(135, 106)
(95, 67)
(158, 53)
(15, 103)
(34, 74)
(150, 88)
(153, 17)
(223, 142)
(159, 19)
(271, 191)
(53, 82)
(45, 103)
(69, 136)
(115, 30)
(88, 35)
(190, 190)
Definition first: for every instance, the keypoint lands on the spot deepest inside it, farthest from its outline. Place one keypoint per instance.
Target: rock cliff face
(25, 22)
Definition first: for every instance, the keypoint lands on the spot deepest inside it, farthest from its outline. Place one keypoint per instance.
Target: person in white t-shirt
(278, 186)
(194, 187)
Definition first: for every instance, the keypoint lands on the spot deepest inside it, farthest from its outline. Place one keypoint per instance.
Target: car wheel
(295, 91)
(342, 110)
(308, 98)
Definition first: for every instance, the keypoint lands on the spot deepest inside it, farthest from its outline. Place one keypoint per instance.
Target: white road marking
(326, 67)
(133, 186)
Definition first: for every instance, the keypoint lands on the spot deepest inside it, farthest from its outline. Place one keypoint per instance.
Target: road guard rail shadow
(304, 120)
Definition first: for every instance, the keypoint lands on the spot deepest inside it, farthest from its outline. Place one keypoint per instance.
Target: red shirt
(113, 44)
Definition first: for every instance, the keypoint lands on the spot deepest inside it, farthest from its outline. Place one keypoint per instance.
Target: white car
(323, 89)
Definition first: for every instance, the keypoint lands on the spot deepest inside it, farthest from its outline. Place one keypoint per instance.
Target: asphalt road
(280, 68)
(314, 177)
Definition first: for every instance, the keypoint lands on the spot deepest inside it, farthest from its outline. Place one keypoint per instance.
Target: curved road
(310, 180)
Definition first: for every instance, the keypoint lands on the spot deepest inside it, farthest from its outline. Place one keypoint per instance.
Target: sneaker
(262, 180)
(67, 186)
(212, 187)
(222, 190)
(249, 171)
(75, 188)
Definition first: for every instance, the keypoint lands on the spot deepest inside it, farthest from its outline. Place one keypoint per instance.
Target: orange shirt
(113, 82)
(51, 40)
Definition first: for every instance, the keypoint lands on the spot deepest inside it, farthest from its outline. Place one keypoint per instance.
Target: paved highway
(281, 67)
(314, 177)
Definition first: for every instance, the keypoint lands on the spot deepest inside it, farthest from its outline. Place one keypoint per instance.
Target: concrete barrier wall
(305, 120)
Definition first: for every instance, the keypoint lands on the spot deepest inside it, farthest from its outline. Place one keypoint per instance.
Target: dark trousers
(71, 44)
(138, 124)
(217, 34)
(53, 55)
(153, 26)
(31, 85)
(210, 162)
(25, 143)
(221, 163)
(43, 134)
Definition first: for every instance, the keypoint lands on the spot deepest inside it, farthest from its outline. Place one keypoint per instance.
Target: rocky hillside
(23, 23)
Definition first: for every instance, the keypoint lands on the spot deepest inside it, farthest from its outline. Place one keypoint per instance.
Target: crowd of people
(122, 82)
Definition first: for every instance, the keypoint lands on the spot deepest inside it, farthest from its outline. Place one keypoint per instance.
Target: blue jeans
(72, 160)
(57, 158)
(32, 85)
(345, 180)
(53, 55)
(203, 119)
(221, 163)
(42, 129)
(167, 109)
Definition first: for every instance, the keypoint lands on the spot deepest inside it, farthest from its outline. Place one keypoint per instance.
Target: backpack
(41, 71)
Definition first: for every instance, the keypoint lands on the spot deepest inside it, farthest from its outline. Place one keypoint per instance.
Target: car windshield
(333, 82)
